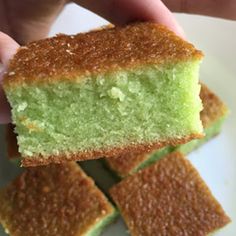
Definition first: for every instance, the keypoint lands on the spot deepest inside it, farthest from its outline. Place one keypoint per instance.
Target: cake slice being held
(104, 93)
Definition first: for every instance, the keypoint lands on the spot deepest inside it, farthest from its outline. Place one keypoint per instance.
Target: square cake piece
(213, 116)
(104, 93)
(168, 198)
(56, 200)
(124, 165)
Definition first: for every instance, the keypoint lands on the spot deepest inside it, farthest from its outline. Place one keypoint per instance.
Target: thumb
(8, 48)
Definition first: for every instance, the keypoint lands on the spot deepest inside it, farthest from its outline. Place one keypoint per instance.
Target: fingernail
(180, 32)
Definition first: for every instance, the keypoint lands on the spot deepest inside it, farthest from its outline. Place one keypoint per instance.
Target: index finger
(216, 8)
(125, 11)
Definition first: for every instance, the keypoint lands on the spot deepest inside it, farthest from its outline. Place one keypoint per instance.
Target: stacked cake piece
(168, 198)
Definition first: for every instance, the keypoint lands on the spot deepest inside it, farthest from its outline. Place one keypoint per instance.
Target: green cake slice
(104, 93)
(56, 200)
(168, 198)
(213, 115)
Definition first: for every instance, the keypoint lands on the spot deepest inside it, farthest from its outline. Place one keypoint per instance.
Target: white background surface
(216, 161)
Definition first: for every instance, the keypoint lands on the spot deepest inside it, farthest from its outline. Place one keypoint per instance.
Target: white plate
(216, 161)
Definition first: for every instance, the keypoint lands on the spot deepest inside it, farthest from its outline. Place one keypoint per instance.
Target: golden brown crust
(55, 200)
(213, 109)
(170, 198)
(11, 140)
(124, 165)
(95, 154)
(101, 51)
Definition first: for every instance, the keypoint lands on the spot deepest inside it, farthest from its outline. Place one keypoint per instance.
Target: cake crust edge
(38, 160)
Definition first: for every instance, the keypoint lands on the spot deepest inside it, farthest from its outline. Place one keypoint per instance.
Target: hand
(29, 20)
(7, 49)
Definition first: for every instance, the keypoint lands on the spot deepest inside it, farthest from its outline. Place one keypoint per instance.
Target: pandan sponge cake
(104, 93)
(168, 198)
(124, 165)
(55, 200)
(213, 115)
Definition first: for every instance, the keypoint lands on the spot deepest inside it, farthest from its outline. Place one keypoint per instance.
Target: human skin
(29, 20)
